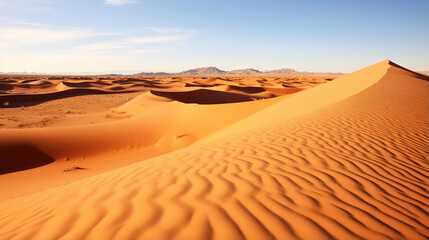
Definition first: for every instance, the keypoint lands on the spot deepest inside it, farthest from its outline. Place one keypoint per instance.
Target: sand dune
(160, 125)
(344, 160)
(90, 100)
(17, 91)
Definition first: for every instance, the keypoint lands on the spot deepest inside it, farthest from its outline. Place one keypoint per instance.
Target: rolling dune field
(218, 158)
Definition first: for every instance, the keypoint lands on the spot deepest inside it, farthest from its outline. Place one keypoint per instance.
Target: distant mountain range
(152, 74)
(203, 71)
(283, 71)
(197, 71)
(217, 71)
(247, 71)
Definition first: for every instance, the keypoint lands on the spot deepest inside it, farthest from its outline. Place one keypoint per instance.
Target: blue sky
(128, 36)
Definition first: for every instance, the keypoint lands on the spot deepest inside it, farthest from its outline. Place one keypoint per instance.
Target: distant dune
(224, 158)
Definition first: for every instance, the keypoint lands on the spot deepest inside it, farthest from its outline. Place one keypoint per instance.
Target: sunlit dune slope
(157, 124)
(345, 160)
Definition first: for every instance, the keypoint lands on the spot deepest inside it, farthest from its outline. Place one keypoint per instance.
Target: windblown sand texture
(344, 160)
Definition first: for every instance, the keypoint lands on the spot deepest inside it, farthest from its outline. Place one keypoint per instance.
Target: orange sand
(343, 160)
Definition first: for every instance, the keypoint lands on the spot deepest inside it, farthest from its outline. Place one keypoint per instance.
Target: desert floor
(215, 157)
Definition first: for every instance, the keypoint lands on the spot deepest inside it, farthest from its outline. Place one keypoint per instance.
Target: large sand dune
(344, 160)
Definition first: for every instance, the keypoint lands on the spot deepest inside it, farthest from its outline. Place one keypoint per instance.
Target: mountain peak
(247, 71)
(211, 70)
(281, 71)
(203, 71)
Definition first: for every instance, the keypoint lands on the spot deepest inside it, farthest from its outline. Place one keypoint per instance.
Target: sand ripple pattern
(354, 170)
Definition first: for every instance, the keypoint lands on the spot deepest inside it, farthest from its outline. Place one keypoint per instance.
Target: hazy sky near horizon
(128, 36)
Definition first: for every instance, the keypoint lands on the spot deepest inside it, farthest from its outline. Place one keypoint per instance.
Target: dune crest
(351, 167)
(312, 99)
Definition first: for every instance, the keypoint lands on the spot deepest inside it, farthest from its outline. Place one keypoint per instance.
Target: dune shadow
(204, 96)
(18, 157)
(6, 87)
(19, 100)
(416, 74)
(246, 89)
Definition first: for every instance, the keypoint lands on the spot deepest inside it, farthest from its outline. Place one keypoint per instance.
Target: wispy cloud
(164, 30)
(31, 46)
(135, 43)
(26, 5)
(66, 62)
(170, 30)
(151, 50)
(32, 24)
(27, 33)
(37, 35)
(161, 39)
(99, 46)
(5, 21)
(120, 2)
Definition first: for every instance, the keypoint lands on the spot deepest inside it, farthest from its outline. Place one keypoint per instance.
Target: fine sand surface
(344, 160)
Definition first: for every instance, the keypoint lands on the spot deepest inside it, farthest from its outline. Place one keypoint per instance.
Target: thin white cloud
(131, 43)
(170, 31)
(23, 35)
(13, 22)
(119, 2)
(34, 35)
(151, 50)
(26, 5)
(161, 39)
(99, 46)
(164, 30)
(32, 24)
(28, 46)
(65, 62)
